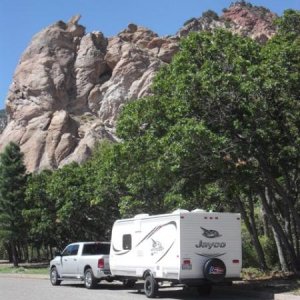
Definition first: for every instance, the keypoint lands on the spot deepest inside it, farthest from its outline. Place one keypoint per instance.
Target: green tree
(12, 188)
(40, 211)
(224, 113)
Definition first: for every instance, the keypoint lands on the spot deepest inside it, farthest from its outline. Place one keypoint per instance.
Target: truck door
(70, 261)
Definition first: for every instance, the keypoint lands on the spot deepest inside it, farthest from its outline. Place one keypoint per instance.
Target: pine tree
(12, 188)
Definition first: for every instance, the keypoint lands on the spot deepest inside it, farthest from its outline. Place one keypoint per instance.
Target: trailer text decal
(210, 245)
(210, 234)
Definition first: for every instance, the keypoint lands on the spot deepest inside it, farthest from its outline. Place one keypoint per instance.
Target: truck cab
(83, 261)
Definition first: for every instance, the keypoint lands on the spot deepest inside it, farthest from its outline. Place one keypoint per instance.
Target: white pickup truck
(85, 261)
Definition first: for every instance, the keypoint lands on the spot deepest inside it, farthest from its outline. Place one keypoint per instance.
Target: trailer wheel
(214, 270)
(204, 290)
(90, 281)
(150, 287)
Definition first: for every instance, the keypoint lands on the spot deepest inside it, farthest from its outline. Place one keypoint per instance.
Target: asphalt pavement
(26, 288)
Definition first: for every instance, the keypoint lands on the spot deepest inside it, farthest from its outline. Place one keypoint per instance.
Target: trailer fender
(146, 273)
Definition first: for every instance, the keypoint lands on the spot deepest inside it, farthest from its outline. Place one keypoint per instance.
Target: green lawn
(24, 270)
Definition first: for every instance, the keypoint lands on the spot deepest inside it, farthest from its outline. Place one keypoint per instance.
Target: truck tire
(54, 277)
(90, 281)
(150, 287)
(214, 270)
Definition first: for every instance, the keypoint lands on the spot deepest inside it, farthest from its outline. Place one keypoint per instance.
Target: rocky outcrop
(241, 18)
(70, 86)
(3, 120)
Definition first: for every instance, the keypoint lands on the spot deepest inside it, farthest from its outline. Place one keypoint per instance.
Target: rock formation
(240, 18)
(69, 86)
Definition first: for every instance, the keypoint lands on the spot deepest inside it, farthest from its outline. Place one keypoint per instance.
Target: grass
(40, 270)
(275, 281)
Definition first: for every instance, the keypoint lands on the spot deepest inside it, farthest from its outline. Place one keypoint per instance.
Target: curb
(286, 297)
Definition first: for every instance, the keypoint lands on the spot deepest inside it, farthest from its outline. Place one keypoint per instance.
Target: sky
(21, 19)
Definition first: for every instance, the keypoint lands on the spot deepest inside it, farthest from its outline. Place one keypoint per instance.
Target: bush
(189, 21)
(210, 14)
(270, 250)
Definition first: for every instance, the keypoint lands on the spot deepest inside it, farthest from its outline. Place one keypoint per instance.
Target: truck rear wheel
(150, 287)
(90, 281)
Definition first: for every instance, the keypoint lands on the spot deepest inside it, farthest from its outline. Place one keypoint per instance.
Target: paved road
(41, 289)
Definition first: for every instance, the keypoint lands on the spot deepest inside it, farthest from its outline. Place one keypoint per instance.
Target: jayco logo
(210, 234)
(210, 245)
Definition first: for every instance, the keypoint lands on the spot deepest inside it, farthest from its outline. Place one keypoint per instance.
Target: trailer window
(127, 241)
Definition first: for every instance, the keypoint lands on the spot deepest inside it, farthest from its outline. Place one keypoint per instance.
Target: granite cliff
(70, 86)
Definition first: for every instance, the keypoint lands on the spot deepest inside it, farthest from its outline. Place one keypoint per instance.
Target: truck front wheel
(150, 286)
(90, 281)
(54, 277)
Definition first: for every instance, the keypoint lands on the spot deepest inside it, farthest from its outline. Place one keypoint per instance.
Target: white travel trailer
(196, 248)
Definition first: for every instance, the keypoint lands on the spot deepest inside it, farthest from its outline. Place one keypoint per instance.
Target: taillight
(235, 261)
(186, 264)
(100, 263)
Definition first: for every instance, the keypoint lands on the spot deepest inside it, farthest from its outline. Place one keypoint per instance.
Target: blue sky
(21, 19)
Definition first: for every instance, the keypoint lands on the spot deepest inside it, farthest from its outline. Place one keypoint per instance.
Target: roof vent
(140, 216)
(179, 211)
(198, 210)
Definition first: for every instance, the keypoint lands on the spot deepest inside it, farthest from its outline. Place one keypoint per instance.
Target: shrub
(210, 14)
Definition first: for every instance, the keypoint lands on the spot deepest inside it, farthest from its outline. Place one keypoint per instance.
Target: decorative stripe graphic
(166, 252)
(120, 252)
(146, 237)
(155, 229)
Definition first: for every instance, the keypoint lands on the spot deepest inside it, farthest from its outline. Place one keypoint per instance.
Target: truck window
(96, 249)
(71, 250)
(127, 241)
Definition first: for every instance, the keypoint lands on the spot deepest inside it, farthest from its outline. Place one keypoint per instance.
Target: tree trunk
(296, 237)
(254, 236)
(280, 252)
(265, 222)
(9, 253)
(279, 190)
(14, 254)
(281, 234)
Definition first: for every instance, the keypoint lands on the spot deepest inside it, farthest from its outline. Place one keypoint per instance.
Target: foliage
(189, 21)
(220, 131)
(225, 112)
(248, 251)
(12, 188)
(73, 203)
(210, 14)
(289, 24)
